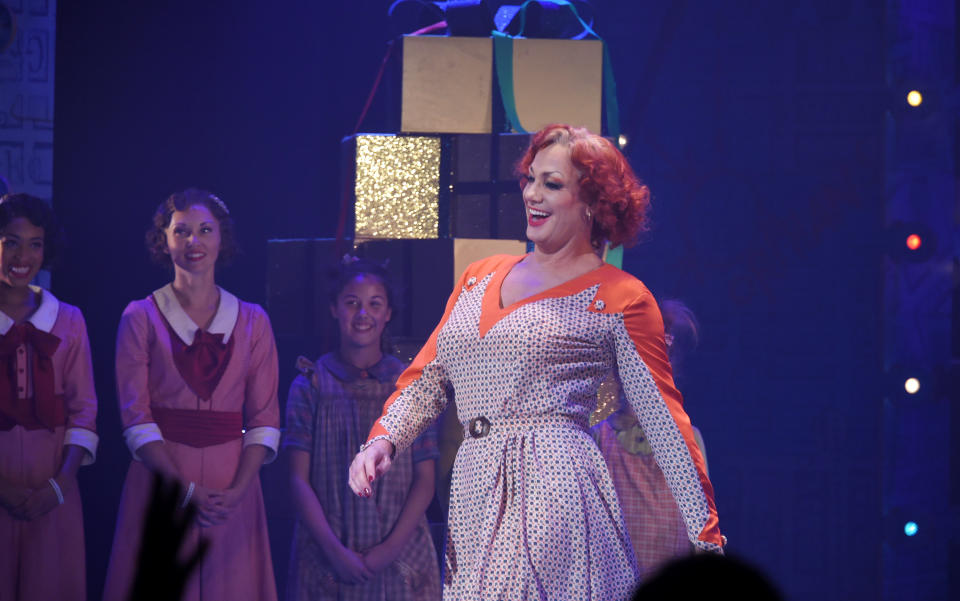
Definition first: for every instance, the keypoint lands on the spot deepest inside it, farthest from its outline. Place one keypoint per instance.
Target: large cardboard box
(558, 81)
(447, 84)
(425, 272)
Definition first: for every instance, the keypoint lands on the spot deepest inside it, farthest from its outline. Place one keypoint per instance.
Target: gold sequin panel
(608, 400)
(397, 186)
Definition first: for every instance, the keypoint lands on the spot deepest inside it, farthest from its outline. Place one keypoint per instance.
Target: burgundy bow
(202, 364)
(46, 409)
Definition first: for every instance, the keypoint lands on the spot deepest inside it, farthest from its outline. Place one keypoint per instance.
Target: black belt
(480, 426)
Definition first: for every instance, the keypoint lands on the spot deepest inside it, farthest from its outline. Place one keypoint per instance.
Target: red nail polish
(371, 478)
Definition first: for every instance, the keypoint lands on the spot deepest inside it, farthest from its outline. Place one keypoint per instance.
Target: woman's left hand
(378, 557)
(369, 464)
(40, 502)
(226, 502)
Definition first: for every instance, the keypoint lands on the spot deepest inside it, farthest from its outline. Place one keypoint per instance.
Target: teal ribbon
(503, 59)
(615, 256)
(610, 96)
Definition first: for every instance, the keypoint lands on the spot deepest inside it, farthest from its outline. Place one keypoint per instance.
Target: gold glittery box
(395, 181)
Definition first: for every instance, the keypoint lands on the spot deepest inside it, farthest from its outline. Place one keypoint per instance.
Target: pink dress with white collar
(47, 400)
(206, 395)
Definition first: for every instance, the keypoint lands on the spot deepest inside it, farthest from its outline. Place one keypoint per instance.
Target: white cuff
(85, 439)
(267, 436)
(385, 437)
(141, 434)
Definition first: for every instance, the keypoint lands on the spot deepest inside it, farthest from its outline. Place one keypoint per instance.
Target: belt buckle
(479, 427)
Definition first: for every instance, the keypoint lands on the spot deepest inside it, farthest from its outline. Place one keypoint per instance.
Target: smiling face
(362, 310)
(193, 239)
(556, 217)
(21, 252)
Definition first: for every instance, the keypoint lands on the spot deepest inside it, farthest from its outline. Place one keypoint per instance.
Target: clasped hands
(214, 506)
(352, 567)
(27, 504)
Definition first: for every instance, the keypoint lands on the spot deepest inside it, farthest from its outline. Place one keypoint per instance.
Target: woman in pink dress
(48, 411)
(197, 387)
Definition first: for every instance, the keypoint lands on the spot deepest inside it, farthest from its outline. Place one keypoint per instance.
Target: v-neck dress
(533, 511)
(237, 565)
(44, 558)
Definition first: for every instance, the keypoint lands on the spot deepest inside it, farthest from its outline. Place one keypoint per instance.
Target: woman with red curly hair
(525, 342)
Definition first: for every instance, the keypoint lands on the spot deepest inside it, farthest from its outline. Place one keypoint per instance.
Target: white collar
(223, 321)
(43, 318)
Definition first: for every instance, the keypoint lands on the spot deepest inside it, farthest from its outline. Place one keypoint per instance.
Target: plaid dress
(329, 412)
(656, 527)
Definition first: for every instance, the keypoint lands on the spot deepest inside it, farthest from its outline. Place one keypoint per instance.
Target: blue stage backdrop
(758, 126)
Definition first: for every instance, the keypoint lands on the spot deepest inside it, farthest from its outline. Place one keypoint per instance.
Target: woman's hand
(12, 497)
(208, 502)
(349, 566)
(40, 502)
(215, 505)
(369, 464)
(378, 557)
(224, 502)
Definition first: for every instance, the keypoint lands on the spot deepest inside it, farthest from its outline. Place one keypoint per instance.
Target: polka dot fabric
(533, 510)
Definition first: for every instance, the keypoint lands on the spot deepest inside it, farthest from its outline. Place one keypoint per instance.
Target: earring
(588, 214)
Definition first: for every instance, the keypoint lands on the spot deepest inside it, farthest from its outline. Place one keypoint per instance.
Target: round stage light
(912, 385)
(914, 98)
(622, 141)
(914, 242)
(910, 528)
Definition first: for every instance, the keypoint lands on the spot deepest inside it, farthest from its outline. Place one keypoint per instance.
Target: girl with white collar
(48, 410)
(197, 384)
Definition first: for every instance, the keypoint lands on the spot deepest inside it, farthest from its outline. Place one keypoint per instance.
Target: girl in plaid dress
(347, 548)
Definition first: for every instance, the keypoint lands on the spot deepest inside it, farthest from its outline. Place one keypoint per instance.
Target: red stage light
(914, 241)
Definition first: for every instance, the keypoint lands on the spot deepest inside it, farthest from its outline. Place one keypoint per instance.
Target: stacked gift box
(442, 192)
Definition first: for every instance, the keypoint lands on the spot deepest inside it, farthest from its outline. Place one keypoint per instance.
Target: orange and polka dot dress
(533, 510)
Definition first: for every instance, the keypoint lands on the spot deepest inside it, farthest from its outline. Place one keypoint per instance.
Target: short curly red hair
(617, 198)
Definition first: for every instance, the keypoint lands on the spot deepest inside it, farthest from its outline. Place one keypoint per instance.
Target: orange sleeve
(647, 382)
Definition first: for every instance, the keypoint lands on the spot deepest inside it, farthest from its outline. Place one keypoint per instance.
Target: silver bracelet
(186, 499)
(56, 489)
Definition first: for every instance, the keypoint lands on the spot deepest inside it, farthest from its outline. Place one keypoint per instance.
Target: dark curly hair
(180, 201)
(350, 268)
(617, 198)
(38, 212)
